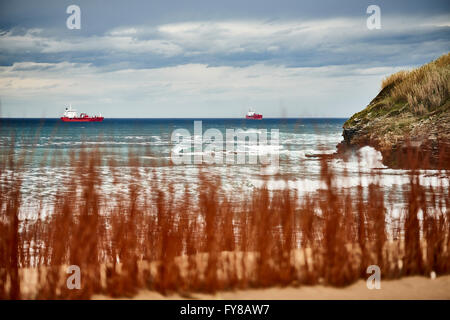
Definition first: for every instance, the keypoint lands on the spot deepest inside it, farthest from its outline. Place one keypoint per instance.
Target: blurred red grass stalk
(208, 242)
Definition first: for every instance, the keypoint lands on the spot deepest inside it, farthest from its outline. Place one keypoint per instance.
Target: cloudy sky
(210, 58)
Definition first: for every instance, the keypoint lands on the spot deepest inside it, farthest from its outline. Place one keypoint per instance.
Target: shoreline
(406, 288)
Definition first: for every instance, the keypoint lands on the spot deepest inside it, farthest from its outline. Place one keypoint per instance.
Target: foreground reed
(204, 240)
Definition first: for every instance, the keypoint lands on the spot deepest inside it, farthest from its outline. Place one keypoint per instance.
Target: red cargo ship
(253, 115)
(70, 115)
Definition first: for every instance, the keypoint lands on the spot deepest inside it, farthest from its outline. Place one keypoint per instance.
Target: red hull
(254, 117)
(88, 119)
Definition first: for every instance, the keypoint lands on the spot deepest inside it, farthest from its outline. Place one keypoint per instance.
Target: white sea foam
(45, 183)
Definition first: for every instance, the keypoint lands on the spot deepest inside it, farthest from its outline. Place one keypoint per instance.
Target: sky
(208, 58)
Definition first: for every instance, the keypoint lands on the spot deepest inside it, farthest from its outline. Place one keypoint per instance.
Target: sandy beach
(420, 288)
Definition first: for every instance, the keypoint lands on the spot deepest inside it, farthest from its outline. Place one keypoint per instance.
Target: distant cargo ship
(253, 115)
(70, 115)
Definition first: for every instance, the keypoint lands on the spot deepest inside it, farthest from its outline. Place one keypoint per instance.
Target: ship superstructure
(251, 114)
(71, 115)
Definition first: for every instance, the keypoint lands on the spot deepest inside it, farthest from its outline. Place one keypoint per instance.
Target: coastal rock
(409, 120)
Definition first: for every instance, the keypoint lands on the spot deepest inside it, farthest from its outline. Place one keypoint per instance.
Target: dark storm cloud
(100, 16)
(17, 18)
(296, 43)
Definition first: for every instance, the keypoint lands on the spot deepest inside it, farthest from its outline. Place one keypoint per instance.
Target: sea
(46, 146)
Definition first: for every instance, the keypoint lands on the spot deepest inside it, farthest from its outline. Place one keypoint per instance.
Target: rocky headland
(409, 120)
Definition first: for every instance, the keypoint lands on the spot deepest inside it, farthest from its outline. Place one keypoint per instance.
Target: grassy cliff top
(409, 96)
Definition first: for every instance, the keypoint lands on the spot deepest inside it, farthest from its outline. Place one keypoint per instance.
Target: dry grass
(424, 88)
(205, 242)
(394, 78)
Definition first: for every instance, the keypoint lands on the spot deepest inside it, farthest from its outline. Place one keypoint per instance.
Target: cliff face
(410, 115)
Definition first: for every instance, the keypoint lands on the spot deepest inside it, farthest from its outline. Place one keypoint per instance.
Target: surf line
(251, 146)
